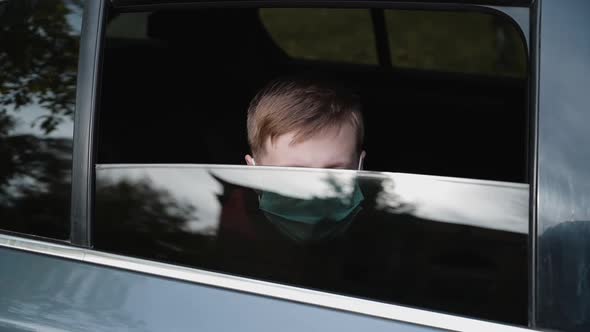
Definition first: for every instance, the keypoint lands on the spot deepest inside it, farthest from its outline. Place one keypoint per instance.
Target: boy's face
(332, 148)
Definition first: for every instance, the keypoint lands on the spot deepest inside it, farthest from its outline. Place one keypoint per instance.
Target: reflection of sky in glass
(487, 204)
(75, 18)
(564, 166)
(29, 117)
(38, 88)
(304, 184)
(185, 184)
(29, 121)
(564, 155)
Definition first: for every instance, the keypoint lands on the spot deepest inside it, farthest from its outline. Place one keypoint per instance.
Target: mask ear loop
(361, 161)
(258, 192)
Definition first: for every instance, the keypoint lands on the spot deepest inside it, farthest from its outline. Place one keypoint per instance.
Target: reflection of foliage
(34, 183)
(39, 58)
(38, 65)
(142, 220)
(336, 185)
(32, 159)
(390, 201)
(141, 206)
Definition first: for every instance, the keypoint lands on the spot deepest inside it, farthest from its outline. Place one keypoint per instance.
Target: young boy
(296, 123)
(301, 123)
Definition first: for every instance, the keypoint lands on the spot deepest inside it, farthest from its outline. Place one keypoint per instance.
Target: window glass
(463, 42)
(338, 35)
(38, 61)
(444, 244)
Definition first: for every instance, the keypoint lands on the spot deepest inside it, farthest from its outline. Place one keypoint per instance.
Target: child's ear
(249, 160)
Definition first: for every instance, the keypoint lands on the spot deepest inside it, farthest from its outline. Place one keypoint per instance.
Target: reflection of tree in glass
(141, 205)
(38, 65)
(388, 200)
(380, 191)
(336, 185)
(145, 220)
(39, 58)
(34, 182)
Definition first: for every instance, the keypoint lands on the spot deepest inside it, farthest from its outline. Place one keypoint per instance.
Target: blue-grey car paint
(563, 271)
(41, 293)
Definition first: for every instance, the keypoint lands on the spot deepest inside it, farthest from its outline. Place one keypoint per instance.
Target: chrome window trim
(268, 289)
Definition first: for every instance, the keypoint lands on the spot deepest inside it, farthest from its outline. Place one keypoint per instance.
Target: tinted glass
(38, 65)
(338, 35)
(452, 245)
(464, 42)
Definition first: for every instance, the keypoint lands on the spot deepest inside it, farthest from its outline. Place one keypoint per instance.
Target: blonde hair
(305, 107)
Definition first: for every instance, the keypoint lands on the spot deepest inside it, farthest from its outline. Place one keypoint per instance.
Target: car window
(438, 219)
(38, 62)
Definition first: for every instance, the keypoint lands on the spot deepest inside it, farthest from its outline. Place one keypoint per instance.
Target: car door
(134, 253)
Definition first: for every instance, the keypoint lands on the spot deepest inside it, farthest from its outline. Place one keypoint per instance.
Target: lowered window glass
(447, 244)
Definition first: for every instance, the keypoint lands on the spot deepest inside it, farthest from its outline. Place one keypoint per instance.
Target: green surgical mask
(315, 218)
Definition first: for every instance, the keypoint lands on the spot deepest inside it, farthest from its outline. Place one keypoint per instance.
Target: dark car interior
(180, 96)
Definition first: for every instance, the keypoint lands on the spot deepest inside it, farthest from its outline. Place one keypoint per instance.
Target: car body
(101, 273)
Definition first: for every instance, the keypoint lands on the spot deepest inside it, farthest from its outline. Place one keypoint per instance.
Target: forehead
(331, 148)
